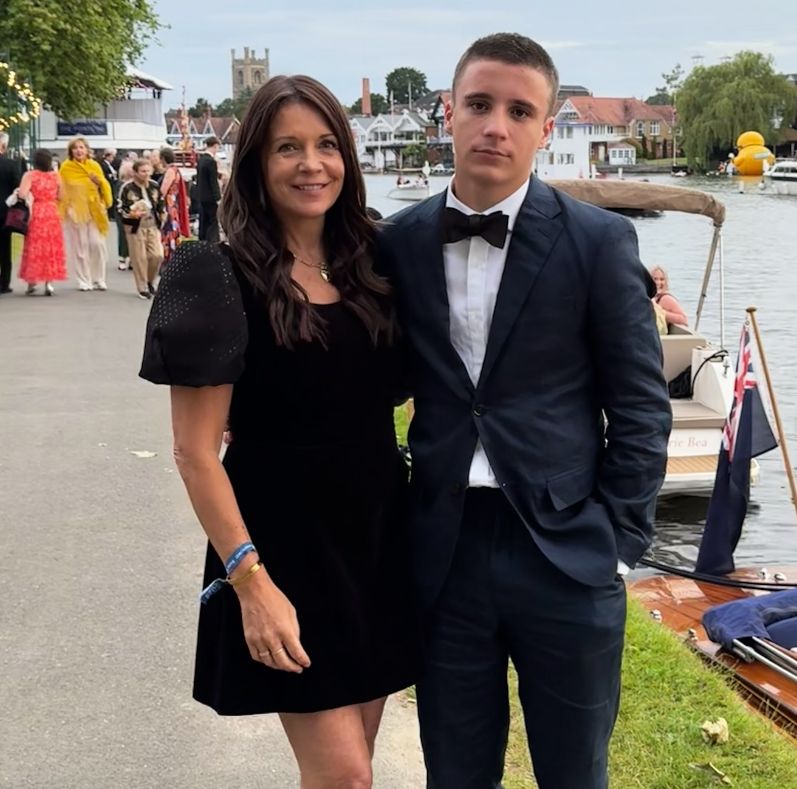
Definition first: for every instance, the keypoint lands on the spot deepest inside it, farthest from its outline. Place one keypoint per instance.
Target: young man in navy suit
(539, 439)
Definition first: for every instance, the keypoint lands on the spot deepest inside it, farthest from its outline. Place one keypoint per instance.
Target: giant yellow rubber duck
(752, 154)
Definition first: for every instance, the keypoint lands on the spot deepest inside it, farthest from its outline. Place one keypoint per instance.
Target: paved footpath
(100, 560)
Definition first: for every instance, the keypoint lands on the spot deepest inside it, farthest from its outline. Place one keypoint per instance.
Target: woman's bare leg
(334, 748)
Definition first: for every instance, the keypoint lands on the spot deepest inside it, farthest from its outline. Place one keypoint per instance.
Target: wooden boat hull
(681, 602)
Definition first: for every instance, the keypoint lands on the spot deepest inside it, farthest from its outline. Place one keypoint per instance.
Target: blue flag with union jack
(746, 435)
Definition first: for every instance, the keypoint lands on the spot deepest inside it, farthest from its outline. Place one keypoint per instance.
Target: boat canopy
(643, 196)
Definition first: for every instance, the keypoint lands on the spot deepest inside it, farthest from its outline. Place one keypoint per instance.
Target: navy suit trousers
(504, 600)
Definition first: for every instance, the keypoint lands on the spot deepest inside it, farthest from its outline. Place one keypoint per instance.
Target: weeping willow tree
(717, 103)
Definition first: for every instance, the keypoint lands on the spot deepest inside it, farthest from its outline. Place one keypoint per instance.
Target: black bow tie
(491, 227)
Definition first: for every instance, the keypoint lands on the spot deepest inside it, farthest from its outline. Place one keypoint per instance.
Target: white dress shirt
(473, 270)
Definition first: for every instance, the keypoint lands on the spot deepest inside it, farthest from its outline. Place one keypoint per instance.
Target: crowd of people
(70, 206)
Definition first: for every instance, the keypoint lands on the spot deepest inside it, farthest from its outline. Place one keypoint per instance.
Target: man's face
(499, 118)
(144, 173)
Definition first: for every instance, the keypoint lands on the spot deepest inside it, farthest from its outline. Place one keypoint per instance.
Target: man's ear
(547, 131)
(448, 113)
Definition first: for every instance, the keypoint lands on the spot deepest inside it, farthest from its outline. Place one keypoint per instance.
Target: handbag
(17, 218)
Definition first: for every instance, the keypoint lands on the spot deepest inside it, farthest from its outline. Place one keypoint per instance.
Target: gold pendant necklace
(322, 266)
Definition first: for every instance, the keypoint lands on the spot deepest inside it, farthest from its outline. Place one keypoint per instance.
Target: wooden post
(778, 424)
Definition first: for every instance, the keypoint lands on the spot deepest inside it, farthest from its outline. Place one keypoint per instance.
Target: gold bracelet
(248, 574)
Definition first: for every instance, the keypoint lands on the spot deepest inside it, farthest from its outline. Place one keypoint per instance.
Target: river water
(760, 246)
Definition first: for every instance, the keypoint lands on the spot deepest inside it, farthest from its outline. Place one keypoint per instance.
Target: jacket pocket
(571, 487)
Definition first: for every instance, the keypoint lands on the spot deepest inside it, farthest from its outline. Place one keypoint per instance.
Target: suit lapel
(534, 234)
(427, 249)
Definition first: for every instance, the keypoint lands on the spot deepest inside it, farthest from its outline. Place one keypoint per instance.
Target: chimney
(366, 96)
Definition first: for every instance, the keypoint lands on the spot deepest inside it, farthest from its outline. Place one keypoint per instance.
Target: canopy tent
(643, 196)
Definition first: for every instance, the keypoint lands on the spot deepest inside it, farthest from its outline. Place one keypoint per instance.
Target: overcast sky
(614, 47)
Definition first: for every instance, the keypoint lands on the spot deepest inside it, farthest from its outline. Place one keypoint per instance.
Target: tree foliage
(379, 104)
(236, 107)
(75, 57)
(665, 94)
(717, 103)
(401, 80)
(200, 108)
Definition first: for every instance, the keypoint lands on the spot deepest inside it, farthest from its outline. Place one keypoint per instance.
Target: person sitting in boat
(673, 312)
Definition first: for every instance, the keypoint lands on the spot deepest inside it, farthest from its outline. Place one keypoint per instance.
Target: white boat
(781, 178)
(413, 191)
(698, 419)
(414, 188)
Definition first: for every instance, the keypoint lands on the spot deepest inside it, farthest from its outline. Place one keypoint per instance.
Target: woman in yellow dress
(86, 197)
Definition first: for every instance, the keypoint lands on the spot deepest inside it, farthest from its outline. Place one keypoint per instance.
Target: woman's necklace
(321, 266)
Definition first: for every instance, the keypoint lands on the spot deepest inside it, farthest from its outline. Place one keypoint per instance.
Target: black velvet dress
(318, 479)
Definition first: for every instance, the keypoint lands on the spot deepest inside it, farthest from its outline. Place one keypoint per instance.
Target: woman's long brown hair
(256, 238)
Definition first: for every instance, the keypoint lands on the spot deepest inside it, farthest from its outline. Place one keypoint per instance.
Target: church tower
(248, 72)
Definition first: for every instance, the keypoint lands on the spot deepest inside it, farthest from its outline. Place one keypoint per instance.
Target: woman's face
(79, 151)
(303, 166)
(660, 279)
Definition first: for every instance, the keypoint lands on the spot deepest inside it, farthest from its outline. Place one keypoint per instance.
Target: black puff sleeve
(197, 331)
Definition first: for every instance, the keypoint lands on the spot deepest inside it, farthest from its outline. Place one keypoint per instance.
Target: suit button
(457, 488)
(479, 409)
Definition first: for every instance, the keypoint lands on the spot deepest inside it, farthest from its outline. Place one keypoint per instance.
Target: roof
(622, 144)
(616, 111)
(141, 79)
(642, 195)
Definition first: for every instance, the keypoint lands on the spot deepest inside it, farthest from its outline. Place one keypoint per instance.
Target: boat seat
(677, 350)
(691, 414)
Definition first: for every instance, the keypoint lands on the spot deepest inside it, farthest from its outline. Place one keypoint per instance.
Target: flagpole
(778, 424)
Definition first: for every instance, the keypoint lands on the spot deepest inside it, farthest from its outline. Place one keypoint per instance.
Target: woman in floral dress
(43, 255)
(175, 227)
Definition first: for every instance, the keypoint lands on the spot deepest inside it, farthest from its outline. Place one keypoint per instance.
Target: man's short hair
(514, 50)
(139, 163)
(211, 141)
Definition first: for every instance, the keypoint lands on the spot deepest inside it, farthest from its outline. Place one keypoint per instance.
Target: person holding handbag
(9, 181)
(85, 200)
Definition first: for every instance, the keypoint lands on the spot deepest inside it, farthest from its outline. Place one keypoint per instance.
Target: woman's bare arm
(673, 310)
(199, 417)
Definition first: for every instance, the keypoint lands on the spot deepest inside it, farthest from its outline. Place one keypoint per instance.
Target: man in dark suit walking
(10, 176)
(539, 438)
(207, 177)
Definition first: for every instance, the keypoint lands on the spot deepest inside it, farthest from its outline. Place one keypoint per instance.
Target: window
(559, 132)
(611, 129)
(569, 132)
(655, 128)
(640, 129)
(240, 78)
(258, 77)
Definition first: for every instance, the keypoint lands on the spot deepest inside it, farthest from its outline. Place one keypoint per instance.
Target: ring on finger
(277, 651)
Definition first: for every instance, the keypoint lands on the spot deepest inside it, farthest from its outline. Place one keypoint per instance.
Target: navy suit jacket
(571, 406)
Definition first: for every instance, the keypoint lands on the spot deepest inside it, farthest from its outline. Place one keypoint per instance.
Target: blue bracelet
(235, 557)
(232, 562)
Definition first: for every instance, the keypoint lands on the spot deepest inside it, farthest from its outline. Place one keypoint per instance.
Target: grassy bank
(667, 694)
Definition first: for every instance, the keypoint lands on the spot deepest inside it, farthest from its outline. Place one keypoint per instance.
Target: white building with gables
(382, 139)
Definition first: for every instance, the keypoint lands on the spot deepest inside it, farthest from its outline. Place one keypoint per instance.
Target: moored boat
(699, 372)
(781, 178)
(680, 603)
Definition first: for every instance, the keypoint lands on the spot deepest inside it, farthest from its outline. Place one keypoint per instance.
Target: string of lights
(28, 105)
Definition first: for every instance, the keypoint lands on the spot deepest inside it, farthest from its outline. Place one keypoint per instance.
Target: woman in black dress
(287, 336)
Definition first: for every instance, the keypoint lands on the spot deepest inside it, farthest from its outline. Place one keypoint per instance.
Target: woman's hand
(271, 627)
